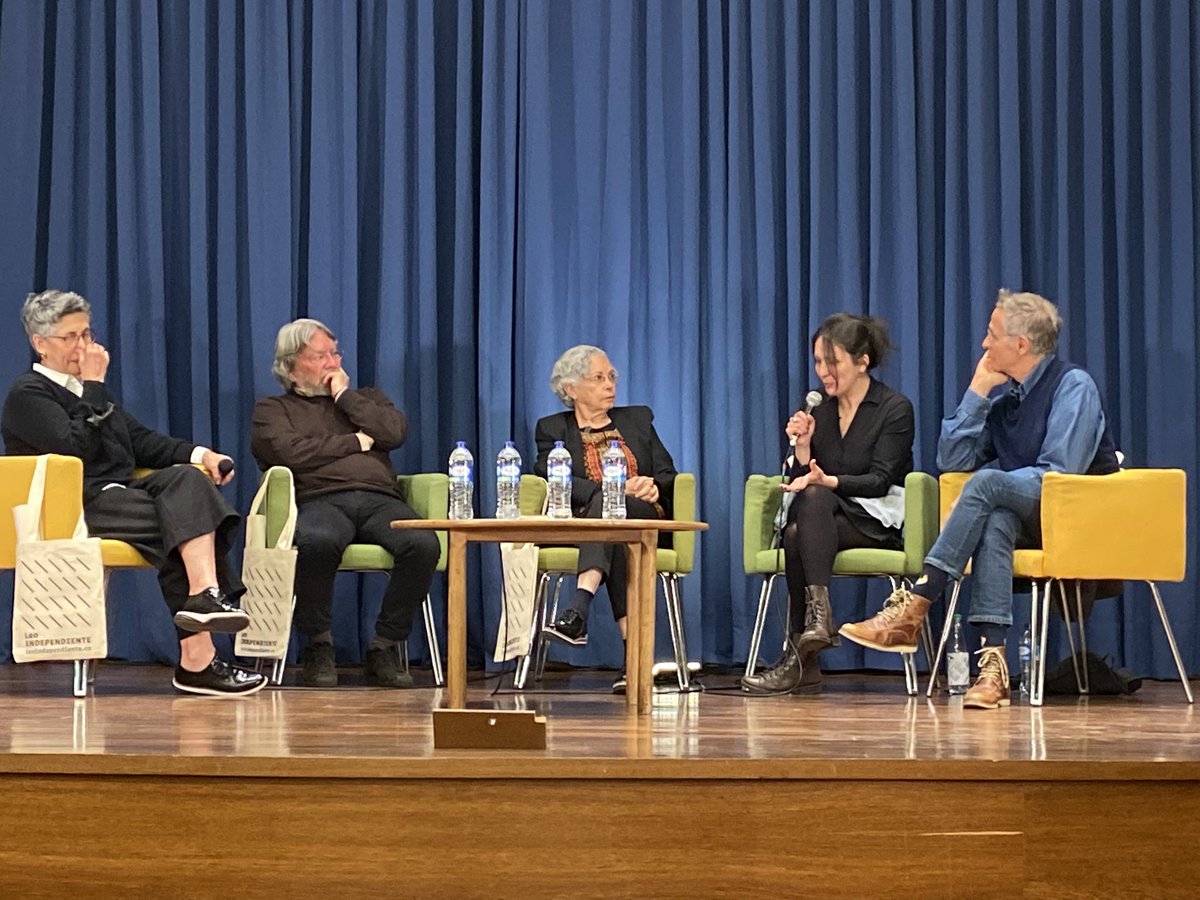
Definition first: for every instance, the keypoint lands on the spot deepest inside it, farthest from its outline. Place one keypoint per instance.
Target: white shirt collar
(62, 379)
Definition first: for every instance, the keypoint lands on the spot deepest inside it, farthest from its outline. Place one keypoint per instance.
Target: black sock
(583, 601)
(321, 637)
(382, 643)
(993, 635)
(931, 583)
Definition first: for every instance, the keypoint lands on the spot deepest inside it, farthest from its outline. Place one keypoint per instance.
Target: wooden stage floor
(861, 791)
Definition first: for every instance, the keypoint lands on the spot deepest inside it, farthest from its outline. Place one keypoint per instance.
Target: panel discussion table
(640, 537)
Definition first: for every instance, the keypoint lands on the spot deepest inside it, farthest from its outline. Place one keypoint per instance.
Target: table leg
(633, 646)
(645, 613)
(456, 621)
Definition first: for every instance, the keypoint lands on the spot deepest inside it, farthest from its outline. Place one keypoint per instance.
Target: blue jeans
(993, 514)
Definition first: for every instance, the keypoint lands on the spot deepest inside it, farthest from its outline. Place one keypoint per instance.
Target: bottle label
(958, 669)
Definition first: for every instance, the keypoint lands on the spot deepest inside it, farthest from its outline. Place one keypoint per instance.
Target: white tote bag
(269, 574)
(519, 564)
(58, 593)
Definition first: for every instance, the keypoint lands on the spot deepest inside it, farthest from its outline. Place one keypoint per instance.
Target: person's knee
(320, 544)
(986, 483)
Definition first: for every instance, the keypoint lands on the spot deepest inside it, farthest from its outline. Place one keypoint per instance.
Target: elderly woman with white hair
(586, 382)
(175, 516)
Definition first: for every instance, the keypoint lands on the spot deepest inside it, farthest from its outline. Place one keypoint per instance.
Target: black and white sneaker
(219, 679)
(209, 610)
(620, 684)
(570, 628)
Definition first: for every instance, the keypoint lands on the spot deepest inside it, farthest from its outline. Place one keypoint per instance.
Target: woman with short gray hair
(175, 516)
(585, 381)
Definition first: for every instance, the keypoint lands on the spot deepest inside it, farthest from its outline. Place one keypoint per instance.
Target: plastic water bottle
(1026, 657)
(508, 482)
(958, 661)
(613, 466)
(462, 482)
(558, 475)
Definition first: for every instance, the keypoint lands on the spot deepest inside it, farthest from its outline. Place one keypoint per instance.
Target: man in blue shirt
(1049, 420)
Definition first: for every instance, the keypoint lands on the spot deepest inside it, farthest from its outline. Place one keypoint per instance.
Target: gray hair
(572, 366)
(1031, 316)
(292, 338)
(43, 311)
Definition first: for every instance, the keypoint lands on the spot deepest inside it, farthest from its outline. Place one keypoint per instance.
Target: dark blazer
(43, 417)
(636, 424)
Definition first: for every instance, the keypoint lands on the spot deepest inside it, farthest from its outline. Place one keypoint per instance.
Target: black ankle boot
(784, 676)
(819, 630)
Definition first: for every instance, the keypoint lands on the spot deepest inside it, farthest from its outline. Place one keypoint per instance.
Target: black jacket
(43, 417)
(636, 424)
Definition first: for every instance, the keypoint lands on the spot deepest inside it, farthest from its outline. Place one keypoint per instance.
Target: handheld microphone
(224, 467)
(811, 401)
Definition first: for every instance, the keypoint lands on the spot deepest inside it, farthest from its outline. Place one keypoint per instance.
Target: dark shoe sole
(808, 646)
(398, 685)
(212, 692)
(552, 633)
(220, 623)
(319, 682)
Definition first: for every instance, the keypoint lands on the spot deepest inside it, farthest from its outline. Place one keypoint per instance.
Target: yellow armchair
(1129, 526)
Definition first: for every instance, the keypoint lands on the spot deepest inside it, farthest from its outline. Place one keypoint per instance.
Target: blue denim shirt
(1072, 434)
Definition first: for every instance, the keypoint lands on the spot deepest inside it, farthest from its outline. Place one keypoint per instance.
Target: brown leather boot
(894, 628)
(819, 632)
(990, 689)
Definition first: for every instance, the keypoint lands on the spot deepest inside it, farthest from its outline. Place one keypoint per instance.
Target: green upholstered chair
(554, 563)
(761, 554)
(429, 496)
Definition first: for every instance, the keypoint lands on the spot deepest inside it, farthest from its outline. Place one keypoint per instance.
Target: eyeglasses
(74, 337)
(600, 377)
(328, 355)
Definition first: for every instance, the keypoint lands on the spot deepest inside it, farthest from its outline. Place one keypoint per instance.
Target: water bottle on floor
(558, 477)
(508, 482)
(958, 660)
(613, 467)
(1026, 657)
(462, 482)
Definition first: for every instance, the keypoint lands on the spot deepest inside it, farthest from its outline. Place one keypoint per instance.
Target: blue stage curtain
(463, 190)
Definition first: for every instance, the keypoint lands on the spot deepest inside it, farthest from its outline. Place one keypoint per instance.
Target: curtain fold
(462, 190)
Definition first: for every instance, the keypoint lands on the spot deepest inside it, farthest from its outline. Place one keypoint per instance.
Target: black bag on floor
(1103, 679)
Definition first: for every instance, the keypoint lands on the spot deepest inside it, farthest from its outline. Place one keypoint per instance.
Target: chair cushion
(120, 555)
(366, 558)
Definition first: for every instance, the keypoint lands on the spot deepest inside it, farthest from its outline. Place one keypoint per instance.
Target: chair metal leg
(760, 620)
(82, 670)
(431, 637)
(535, 632)
(910, 673)
(277, 668)
(951, 605)
(549, 614)
(1075, 660)
(1039, 613)
(1082, 633)
(1162, 614)
(674, 606)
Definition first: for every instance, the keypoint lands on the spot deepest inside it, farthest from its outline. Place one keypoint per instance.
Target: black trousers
(816, 530)
(611, 559)
(326, 525)
(158, 513)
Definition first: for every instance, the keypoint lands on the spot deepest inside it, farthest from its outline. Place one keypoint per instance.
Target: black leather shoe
(219, 679)
(384, 667)
(781, 678)
(570, 628)
(320, 666)
(811, 681)
(210, 610)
